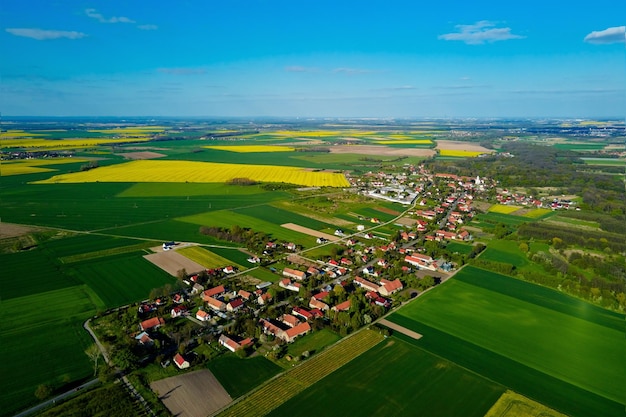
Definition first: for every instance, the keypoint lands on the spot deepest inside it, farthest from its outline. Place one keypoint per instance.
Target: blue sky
(313, 58)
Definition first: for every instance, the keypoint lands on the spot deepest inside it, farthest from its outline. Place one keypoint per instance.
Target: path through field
(400, 329)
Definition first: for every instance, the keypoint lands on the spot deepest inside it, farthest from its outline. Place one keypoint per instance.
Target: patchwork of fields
(555, 349)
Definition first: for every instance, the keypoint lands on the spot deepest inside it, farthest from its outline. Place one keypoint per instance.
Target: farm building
(203, 315)
(294, 273)
(180, 361)
(152, 323)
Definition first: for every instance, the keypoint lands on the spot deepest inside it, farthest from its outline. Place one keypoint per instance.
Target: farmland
(404, 379)
(187, 171)
(536, 341)
(239, 376)
(204, 257)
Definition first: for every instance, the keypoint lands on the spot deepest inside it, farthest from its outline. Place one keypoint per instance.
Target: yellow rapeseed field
(503, 209)
(190, 171)
(32, 166)
(252, 148)
(62, 144)
(459, 153)
(19, 134)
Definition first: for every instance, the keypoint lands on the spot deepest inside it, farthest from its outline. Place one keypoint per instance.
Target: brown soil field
(462, 146)
(406, 221)
(400, 329)
(13, 230)
(381, 150)
(141, 155)
(195, 394)
(172, 262)
(386, 210)
(307, 231)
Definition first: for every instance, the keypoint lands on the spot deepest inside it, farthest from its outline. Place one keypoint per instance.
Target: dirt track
(195, 394)
(400, 329)
(172, 262)
(14, 230)
(310, 232)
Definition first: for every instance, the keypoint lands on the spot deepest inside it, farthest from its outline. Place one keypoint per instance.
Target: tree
(43, 391)
(93, 353)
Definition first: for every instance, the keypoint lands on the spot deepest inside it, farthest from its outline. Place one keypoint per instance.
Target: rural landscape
(280, 266)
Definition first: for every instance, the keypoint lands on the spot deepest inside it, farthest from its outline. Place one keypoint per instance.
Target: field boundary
(400, 329)
(290, 383)
(307, 231)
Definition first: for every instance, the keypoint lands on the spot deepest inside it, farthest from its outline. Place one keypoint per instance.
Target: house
(178, 298)
(197, 289)
(294, 273)
(229, 270)
(346, 261)
(345, 306)
(270, 245)
(152, 323)
(291, 246)
(244, 294)
(333, 262)
(382, 262)
(367, 285)
(203, 315)
(144, 339)
(312, 271)
(290, 320)
(254, 260)
(270, 328)
(390, 287)
(302, 313)
(300, 330)
(234, 305)
(264, 298)
(212, 292)
(315, 303)
(288, 285)
(178, 311)
(420, 263)
(321, 295)
(215, 304)
(233, 345)
(180, 361)
(321, 240)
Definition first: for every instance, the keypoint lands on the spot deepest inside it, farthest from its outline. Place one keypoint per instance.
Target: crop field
(537, 213)
(461, 248)
(235, 256)
(221, 190)
(373, 213)
(506, 219)
(605, 161)
(560, 351)
(252, 148)
(51, 322)
(73, 143)
(313, 343)
(458, 153)
(206, 258)
(119, 280)
(571, 146)
(506, 251)
(511, 404)
(403, 380)
(289, 384)
(32, 166)
(107, 252)
(238, 376)
(190, 171)
(279, 216)
(503, 209)
(227, 218)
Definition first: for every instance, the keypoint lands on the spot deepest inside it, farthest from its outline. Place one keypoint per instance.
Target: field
(506, 219)
(396, 378)
(459, 247)
(289, 384)
(503, 209)
(458, 153)
(172, 262)
(205, 257)
(512, 404)
(252, 148)
(194, 394)
(190, 171)
(505, 251)
(313, 343)
(555, 349)
(32, 166)
(239, 376)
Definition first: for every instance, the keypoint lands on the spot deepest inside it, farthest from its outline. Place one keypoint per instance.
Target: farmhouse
(390, 287)
(231, 344)
(152, 323)
(294, 273)
(363, 283)
(234, 305)
(291, 286)
(289, 320)
(300, 330)
(180, 361)
(302, 313)
(345, 306)
(178, 311)
(264, 298)
(215, 304)
(203, 315)
(212, 292)
(314, 303)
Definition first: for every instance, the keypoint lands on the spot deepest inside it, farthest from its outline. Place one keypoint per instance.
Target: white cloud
(93, 13)
(611, 35)
(42, 34)
(352, 71)
(147, 27)
(479, 33)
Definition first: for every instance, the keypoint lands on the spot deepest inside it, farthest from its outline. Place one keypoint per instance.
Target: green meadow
(558, 350)
(238, 376)
(396, 378)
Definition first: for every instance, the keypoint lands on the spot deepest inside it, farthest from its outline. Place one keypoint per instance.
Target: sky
(299, 58)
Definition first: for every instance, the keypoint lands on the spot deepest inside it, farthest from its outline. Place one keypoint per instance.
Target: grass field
(511, 404)
(280, 216)
(538, 213)
(396, 378)
(206, 258)
(238, 376)
(190, 171)
(605, 161)
(506, 251)
(252, 148)
(313, 343)
(506, 219)
(119, 280)
(461, 248)
(264, 275)
(555, 349)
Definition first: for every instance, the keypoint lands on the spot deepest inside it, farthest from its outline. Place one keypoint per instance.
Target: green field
(204, 257)
(580, 146)
(506, 219)
(555, 349)
(506, 251)
(280, 216)
(264, 274)
(605, 161)
(396, 378)
(123, 279)
(461, 248)
(238, 376)
(313, 343)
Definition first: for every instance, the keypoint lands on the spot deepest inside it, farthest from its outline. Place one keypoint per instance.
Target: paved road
(58, 398)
